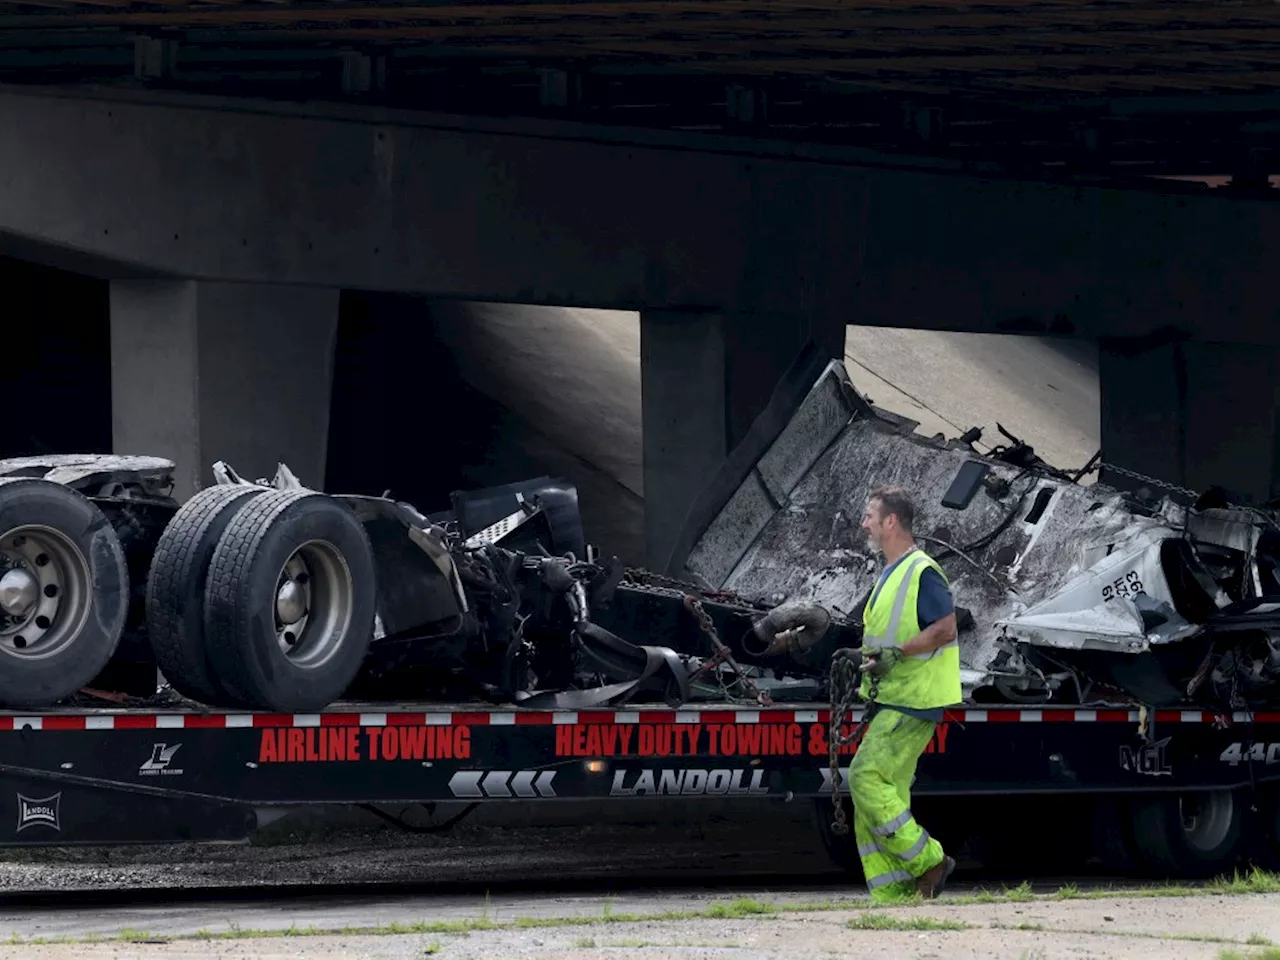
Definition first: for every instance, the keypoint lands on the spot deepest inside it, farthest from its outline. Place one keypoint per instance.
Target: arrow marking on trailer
(480, 784)
(522, 784)
(494, 783)
(826, 779)
(466, 783)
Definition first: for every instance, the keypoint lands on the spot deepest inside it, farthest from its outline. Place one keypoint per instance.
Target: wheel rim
(1206, 819)
(315, 596)
(45, 592)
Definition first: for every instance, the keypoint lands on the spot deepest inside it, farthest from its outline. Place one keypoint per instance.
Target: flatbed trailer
(1174, 792)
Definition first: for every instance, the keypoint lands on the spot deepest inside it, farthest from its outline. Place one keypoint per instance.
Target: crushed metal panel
(743, 518)
(814, 549)
(1033, 557)
(77, 469)
(817, 421)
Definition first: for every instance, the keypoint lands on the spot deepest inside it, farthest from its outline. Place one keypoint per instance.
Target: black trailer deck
(127, 775)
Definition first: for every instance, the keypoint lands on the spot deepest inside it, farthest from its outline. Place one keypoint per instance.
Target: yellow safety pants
(894, 849)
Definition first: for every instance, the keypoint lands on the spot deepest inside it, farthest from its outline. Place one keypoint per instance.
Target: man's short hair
(896, 501)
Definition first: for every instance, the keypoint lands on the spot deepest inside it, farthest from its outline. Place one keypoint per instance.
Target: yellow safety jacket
(923, 681)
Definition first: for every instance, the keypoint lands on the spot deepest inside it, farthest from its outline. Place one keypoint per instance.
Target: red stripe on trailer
(273, 719)
(1113, 716)
(657, 716)
(763, 715)
(1004, 716)
(725, 716)
(126, 721)
(597, 716)
(63, 723)
(1058, 716)
(204, 721)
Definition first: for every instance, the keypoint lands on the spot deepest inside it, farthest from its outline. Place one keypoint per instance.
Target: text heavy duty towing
(1120, 651)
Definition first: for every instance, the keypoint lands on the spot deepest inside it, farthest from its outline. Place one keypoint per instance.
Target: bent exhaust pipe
(792, 628)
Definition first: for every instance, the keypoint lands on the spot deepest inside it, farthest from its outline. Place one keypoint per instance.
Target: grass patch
(585, 943)
(1019, 894)
(878, 921)
(1250, 883)
(739, 909)
(1267, 953)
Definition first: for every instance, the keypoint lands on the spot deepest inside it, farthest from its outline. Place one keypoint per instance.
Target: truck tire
(1263, 829)
(841, 849)
(290, 601)
(1188, 835)
(176, 586)
(64, 592)
(1111, 822)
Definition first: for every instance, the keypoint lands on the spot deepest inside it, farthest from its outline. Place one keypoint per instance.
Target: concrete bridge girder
(767, 247)
(570, 215)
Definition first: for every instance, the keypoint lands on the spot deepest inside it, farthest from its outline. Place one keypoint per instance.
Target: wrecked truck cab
(1066, 592)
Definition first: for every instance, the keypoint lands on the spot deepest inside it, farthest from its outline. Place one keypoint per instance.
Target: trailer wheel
(64, 592)
(842, 850)
(1263, 830)
(176, 586)
(290, 601)
(1192, 834)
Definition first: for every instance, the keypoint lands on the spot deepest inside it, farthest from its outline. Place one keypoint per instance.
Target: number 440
(1258, 753)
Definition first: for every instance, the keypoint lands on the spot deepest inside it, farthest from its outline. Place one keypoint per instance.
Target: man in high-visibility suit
(909, 643)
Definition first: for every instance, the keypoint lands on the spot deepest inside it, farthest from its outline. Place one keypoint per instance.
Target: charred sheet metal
(1052, 573)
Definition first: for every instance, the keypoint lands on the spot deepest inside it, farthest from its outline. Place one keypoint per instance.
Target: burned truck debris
(269, 595)
(1069, 592)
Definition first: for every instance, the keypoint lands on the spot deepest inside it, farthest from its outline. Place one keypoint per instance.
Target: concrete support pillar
(202, 372)
(705, 378)
(1194, 414)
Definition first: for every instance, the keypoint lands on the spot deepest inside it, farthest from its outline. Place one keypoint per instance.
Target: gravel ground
(1193, 928)
(500, 846)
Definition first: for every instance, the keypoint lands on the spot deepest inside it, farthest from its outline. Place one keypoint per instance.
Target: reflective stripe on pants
(893, 847)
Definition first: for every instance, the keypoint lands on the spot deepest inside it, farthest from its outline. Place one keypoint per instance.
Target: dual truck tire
(257, 599)
(261, 599)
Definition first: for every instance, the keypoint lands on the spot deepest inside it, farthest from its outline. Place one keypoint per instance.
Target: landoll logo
(43, 812)
(161, 757)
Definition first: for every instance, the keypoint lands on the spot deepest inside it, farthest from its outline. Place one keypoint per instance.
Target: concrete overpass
(749, 179)
(227, 230)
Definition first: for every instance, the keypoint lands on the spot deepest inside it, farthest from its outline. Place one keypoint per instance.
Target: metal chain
(845, 679)
(657, 581)
(1143, 478)
(723, 653)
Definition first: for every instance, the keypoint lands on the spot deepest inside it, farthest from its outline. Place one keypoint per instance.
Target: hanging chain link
(691, 596)
(845, 679)
(723, 655)
(1151, 481)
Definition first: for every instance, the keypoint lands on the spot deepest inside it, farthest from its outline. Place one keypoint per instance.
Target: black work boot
(931, 883)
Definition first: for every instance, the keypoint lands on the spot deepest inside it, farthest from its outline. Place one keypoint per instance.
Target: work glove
(879, 662)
